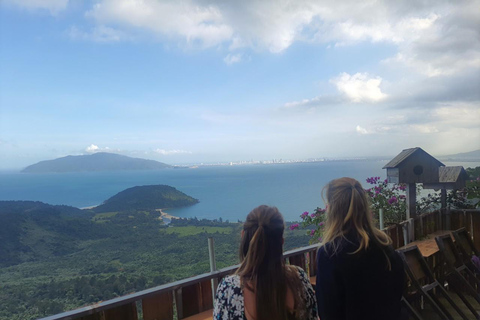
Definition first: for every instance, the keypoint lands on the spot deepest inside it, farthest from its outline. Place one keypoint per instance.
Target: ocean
(227, 192)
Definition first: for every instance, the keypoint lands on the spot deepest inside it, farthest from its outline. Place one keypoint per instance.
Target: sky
(213, 81)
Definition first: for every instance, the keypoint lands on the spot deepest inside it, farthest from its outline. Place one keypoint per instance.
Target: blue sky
(207, 81)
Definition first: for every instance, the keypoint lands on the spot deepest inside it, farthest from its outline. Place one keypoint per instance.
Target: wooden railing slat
(298, 260)
(123, 312)
(95, 316)
(159, 307)
(476, 229)
(190, 303)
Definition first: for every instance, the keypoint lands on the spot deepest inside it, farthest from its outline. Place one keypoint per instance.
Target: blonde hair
(348, 213)
(263, 269)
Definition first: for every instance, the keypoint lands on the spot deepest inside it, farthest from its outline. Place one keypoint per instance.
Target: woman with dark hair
(263, 286)
(359, 275)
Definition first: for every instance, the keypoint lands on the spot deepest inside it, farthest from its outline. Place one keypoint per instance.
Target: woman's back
(263, 285)
(361, 285)
(359, 276)
(234, 301)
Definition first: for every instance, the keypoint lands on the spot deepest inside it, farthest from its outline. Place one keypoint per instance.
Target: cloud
(316, 102)
(170, 152)
(185, 19)
(431, 38)
(361, 130)
(359, 87)
(102, 34)
(54, 6)
(232, 58)
(97, 34)
(94, 148)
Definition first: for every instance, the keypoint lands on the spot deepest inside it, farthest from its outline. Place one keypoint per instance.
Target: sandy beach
(165, 215)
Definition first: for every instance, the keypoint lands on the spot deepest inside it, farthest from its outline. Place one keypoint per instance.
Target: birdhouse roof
(452, 174)
(405, 154)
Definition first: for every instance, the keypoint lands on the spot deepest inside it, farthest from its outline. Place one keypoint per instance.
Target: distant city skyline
(212, 81)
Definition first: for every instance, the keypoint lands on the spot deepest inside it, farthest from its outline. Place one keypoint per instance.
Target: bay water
(227, 192)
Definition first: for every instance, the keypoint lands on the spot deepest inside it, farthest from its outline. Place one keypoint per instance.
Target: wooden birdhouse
(413, 166)
(449, 178)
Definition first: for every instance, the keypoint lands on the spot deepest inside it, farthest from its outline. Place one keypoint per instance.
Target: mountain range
(464, 156)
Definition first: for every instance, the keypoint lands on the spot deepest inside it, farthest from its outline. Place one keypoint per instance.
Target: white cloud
(94, 148)
(361, 130)
(184, 19)
(170, 152)
(54, 6)
(232, 58)
(432, 38)
(97, 34)
(359, 87)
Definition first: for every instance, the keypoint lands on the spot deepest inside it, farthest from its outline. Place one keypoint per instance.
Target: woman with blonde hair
(263, 286)
(359, 275)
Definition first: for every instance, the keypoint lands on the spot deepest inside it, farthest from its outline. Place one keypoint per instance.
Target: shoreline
(165, 215)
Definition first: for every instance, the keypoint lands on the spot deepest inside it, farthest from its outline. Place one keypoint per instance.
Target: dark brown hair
(262, 266)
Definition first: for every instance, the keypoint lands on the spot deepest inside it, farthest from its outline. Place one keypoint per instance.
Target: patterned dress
(229, 303)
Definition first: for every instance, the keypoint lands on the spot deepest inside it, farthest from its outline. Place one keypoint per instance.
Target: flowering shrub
(392, 199)
(314, 222)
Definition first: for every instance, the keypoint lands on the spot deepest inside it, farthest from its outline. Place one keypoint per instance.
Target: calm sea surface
(229, 192)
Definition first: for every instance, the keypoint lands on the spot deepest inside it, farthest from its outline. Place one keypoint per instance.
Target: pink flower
(313, 215)
(321, 224)
(294, 226)
(392, 200)
(304, 215)
(312, 233)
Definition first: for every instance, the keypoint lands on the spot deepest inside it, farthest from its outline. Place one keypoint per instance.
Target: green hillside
(60, 258)
(146, 198)
(31, 231)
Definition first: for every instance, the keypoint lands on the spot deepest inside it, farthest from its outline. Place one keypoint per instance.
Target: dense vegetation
(99, 161)
(146, 198)
(57, 258)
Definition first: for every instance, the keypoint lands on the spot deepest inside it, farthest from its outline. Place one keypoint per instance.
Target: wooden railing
(184, 298)
(428, 223)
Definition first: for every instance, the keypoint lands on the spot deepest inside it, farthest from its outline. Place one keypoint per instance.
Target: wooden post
(380, 218)
(411, 200)
(448, 219)
(179, 303)
(443, 198)
(213, 264)
(405, 234)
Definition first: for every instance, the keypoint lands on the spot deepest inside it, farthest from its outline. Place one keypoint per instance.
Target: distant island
(96, 162)
(144, 198)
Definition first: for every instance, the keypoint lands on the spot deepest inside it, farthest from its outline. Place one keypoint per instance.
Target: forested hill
(100, 161)
(32, 230)
(146, 198)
